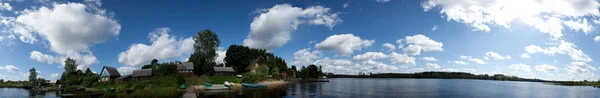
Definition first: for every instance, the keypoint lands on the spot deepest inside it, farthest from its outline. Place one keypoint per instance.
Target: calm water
(419, 88)
(388, 88)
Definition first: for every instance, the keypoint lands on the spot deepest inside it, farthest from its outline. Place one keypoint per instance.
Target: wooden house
(223, 71)
(254, 65)
(186, 68)
(142, 75)
(122, 79)
(108, 73)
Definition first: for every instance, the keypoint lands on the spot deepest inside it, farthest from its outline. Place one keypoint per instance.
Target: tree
(32, 75)
(154, 61)
(70, 65)
(293, 68)
(205, 47)
(313, 71)
(88, 71)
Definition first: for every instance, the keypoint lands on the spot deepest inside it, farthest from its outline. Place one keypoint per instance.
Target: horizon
(548, 40)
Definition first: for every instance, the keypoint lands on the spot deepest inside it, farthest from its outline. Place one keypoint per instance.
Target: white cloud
(432, 66)
(520, 66)
(563, 48)
(164, 46)
(71, 35)
(429, 59)
(544, 15)
(597, 39)
(402, 59)
(5, 6)
(40, 57)
(346, 4)
(220, 56)
(459, 70)
(343, 44)
(125, 70)
(579, 71)
(305, 57)
(9, 68)
(524, 55)
(496, 56)
(579, 25)
(420, 42)
(55, 76)
(476, 60)
(390, 46)
(434, 28)
(545, 68)
(382, 1)
(273, 27)
(460, 62)
(369, 56)
(416, 70)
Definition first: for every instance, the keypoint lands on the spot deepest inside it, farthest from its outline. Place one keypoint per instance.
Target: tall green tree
(154, 61)
(88, 71)
(70, 65)
(205, 47)
(32, 75)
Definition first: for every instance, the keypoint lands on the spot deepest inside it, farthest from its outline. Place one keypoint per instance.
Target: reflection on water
(23, 93)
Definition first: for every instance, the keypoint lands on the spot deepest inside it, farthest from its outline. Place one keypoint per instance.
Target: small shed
(223, 71)
(186, 68)
(142, 74)
(108, 73)
(254, 65)
(122, 79)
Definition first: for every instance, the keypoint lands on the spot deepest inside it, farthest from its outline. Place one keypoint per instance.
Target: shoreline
(238, 86)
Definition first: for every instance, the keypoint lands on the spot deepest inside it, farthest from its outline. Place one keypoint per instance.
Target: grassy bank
(199, 80)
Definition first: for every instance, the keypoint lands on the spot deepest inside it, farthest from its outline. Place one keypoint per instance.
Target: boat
(253, 85)
(215, 87)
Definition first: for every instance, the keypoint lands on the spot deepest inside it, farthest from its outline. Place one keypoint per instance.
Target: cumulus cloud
(547, 15)
(40, 57)
(346, 4)
(434, 28)
(343, 44)
(432, 66)
(496, 56)
(305, 57)
(524, 55)
(369, 56)
(597, 39)
(125, 70)
(55, 76)
(429, 59)
(273, 27)
(579, 25)
(476, 60)
(459, 62)
(220, 56)
(418, 43)
(164, 46)
(83, 60)
(564, 48)
(79, 27)
(521, 67)
(391, 47)
(9, 68)
(545, 68)
(580, 71)
(402, 59)
(5, 6)
(414, 70)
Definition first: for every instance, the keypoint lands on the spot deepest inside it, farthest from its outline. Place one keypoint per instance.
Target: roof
(251, 64)
(185, 66)
(141, 73)
(223, 69)
(124, 76)
(113, 72)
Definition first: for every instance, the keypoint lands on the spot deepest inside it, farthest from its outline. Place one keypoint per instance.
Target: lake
(389, 88)
(419, 88)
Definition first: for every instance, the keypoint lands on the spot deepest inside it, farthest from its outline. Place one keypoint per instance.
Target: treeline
(240, 57)
(439, 75)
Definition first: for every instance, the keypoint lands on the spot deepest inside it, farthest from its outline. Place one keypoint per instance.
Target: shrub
(253, 77)
(159, 92)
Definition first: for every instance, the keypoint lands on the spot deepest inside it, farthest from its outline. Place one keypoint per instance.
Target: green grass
(195, 80)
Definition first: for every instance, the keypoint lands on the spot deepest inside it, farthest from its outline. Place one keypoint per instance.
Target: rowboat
(254, 85)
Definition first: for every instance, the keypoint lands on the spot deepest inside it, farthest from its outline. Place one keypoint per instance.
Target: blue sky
(552, 40)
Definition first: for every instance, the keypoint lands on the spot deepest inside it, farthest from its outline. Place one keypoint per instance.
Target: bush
(159, 92)
(253, 77)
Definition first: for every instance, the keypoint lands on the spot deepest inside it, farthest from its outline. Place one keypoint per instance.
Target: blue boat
(254, 85)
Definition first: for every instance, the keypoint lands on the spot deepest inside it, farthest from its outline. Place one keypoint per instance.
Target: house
(254, 65)
(53, 81)
(142, 74)
(108, 73)
(122, 79)
(186, 68)
(223, 71)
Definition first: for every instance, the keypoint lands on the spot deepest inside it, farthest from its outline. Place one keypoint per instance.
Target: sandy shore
(238, 86)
